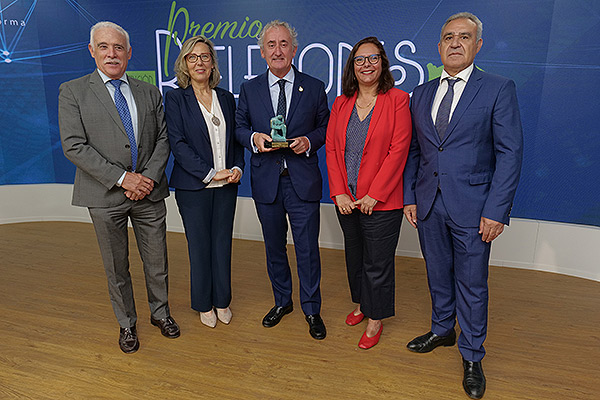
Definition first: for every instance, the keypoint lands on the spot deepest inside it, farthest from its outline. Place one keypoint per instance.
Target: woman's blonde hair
(181, 69)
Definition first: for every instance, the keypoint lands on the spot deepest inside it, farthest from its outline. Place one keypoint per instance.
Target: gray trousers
(149, 225)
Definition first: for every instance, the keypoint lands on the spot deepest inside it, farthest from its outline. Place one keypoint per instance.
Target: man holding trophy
(285, 175)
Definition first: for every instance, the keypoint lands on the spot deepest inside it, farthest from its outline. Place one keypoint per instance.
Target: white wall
(539, 245)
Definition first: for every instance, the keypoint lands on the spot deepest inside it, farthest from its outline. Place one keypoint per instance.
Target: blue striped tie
(123, 110)
(443, 114)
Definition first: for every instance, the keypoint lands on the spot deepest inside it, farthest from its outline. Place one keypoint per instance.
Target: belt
(285, 172)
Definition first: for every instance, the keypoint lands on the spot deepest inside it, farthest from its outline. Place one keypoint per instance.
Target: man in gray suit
(112, 128)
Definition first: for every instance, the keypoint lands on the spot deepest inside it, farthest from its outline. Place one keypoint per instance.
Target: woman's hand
(366, 204)
(222, 174)
(345, 204)
(235, 177)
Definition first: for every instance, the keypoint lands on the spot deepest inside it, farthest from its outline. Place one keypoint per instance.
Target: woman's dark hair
(349, 81)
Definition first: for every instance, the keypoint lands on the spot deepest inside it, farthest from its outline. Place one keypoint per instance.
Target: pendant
(216, 120)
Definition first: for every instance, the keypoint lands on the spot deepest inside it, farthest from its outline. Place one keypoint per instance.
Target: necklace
(214, 119)
(367, 106)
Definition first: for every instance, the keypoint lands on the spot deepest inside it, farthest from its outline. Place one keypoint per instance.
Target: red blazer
(384, 154)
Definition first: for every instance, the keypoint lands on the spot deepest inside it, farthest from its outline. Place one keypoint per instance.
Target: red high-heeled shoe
(352, 319)
(368, 342)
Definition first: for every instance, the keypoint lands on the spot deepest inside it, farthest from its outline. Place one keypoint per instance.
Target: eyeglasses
(373, 59)
(192, 58)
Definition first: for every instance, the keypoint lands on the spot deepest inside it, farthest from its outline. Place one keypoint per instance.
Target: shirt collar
(105, 78)
(289, 77)
(464, 74)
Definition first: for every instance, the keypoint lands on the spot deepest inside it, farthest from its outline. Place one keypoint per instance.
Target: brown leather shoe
(128, 340)
(168, 326)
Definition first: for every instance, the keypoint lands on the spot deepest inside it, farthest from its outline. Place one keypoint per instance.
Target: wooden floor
(58, 338)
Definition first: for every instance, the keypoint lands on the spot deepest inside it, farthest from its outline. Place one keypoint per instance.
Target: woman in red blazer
(367, 143)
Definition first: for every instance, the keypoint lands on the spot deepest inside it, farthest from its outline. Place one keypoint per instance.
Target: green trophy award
(278, 132)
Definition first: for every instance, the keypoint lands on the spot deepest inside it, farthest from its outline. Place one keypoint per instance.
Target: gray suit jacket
(94, 139)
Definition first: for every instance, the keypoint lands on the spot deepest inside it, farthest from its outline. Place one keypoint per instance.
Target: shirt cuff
(254, 148)
(239, 169)
(211, 174)
(121, 179)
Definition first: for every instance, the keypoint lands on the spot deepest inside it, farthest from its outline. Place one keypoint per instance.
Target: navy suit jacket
(308, 115)
(190, 141)
(478, 162)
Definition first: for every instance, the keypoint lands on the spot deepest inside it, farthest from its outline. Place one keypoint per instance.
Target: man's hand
(410, 212)
(300, 145)
(132, 196)
(366, 204)
(137, 184)
(490, 229)
(259, 141)
(344, 204)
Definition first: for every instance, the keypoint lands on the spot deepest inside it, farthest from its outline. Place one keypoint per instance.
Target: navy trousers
(207, 216)
(457, 271)
(304, 219)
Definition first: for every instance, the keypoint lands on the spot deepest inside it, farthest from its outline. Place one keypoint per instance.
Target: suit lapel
(473, 86)
(227, 115)
(265, 94)
(296, 94)
(138, 97)
(99, 89)
(195, 111)
(345, 114)
(429, 94)
(377, 111)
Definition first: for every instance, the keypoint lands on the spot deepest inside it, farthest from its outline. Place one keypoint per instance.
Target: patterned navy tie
(443, 114)
(123, 110)
(281, 106)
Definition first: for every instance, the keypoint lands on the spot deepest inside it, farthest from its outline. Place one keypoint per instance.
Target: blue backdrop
(548, 47)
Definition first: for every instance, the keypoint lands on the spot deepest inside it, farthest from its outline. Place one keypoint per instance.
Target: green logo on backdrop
(146, 76)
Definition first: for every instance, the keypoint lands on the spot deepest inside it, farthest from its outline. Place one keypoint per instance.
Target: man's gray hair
(278, 24)
(470, 17)
(108, 24)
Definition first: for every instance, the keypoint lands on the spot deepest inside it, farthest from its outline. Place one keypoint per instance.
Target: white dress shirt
(274, 90)
(217, 137)
(459, 88)
(126, 90)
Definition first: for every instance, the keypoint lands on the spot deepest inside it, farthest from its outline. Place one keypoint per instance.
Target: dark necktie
(281, 104)
(443, 114)
(123, 110)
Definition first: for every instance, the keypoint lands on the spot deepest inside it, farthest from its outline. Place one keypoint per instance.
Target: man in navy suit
(460, 180)
(286, 181)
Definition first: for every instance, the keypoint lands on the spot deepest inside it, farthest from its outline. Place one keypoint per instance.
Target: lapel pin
(300, 89)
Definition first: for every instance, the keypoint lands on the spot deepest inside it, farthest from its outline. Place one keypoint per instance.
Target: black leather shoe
(429, 341)
(316, 326)
(275, 314)
(128, 340)
(168, 326)
(474, 380)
